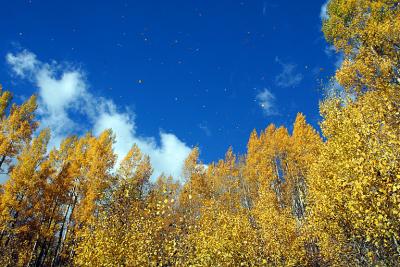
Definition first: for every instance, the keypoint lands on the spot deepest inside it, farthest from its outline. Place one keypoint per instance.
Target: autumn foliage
(293, 199)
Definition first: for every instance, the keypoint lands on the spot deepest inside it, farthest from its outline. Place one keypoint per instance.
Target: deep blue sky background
(192, 68)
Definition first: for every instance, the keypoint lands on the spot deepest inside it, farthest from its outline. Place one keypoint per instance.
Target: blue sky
(168, 75)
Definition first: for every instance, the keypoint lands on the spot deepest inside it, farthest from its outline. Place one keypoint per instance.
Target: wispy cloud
(265, 100)
(267, 6)
(264, 9)
(288, 77)
(63, 93)
(323, 13)
(22, 64)
(204, 127)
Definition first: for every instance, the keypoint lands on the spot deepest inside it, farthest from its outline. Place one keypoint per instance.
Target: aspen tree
(355, 182)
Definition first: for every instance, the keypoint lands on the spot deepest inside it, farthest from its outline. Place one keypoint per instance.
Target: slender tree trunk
(43, 241)
(45, 251)
(60, 237)
(15, 217)
(3, 158)
(11, 227)
(33, 251)
(278, 186)
(2, 235)
(66, 225)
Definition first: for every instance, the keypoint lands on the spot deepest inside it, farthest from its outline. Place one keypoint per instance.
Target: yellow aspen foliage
(367, 32)
(195, 188)
(303, 151)
(90, 166)
(20, 208)
(267, 165)
(143, 236)
(292, 199)
(355, 182)
(17, 124)
(355, 203)
(96, 166)
(134, 173)
(223, 234)
(223, 238)
(60, 201)
(223, 182)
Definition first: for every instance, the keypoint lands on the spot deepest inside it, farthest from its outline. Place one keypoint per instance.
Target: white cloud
(168, 158)
(63, 93)
(266, 101)
(323, 13)
(59, 91)
(288, 77)
(23, 63)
